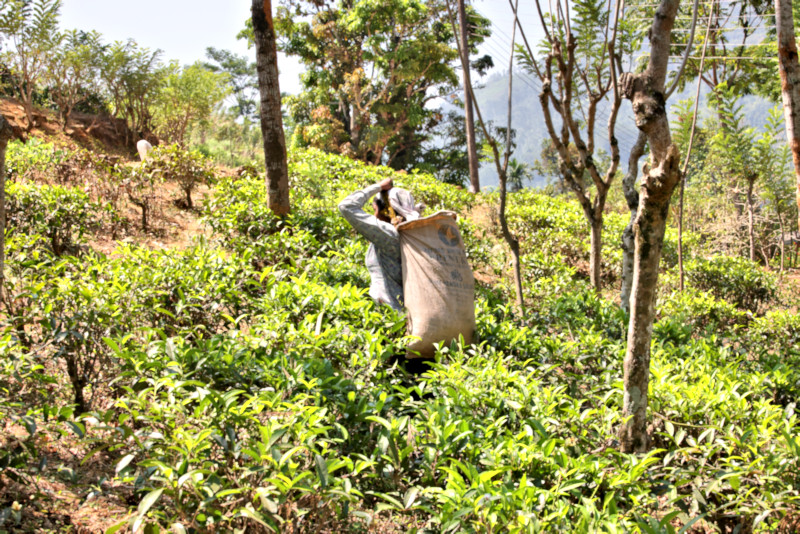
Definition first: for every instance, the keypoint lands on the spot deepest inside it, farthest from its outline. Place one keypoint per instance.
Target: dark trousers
(417, 366)
(412, 366)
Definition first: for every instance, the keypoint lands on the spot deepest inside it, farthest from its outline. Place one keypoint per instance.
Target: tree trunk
(271, 119)
(783, 242)
(750, 218)
(78, 382)
(595, 257)
(646, 92)
(632, 199)
(790, 82)
(5, 136)
(27, 104)
(472, 149)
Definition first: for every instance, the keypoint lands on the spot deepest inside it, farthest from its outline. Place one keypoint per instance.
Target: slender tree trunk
(681, 273)
(783, 242)
(750, 218)
(5, 136)
(790, 82)
(632, 199)
(78, 382)
(472, 149)
(271, 119)
(28, 105)
(661, 176)
(596, 244)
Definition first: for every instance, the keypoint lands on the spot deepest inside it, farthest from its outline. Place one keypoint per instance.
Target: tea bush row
(248, 382)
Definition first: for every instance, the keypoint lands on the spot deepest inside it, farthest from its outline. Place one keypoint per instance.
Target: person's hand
(386, 184)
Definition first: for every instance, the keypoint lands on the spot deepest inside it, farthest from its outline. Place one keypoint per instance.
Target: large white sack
(144, 147)
(438, 285)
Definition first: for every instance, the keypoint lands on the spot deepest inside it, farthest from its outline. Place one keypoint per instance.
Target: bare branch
(687, 51)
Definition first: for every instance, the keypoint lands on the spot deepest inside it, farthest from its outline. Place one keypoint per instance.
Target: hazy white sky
(183, 29)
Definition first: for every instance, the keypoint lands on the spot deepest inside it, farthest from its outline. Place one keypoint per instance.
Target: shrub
(188, 168)
(737, 280)
(773, 345)
(194, 292)
(81, 315)
(32, 159)
(62, 215)
(778, 330)
(139, 183)
(696, 312)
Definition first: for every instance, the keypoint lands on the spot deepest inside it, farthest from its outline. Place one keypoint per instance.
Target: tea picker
(417, 263)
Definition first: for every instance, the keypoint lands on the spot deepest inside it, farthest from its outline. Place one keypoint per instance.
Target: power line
(734, 58)
(602, 112)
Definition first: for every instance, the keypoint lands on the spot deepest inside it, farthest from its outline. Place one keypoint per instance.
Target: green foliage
(187, 96)
(773, 345)
(189, 168)
(63, 215)
(518, 174)
(32, 158)
(369, 94)
(73, 69)
(131, 78)
(682, 314)
(30, 27)
(243, 79)
(736, 280)
(251, 386)
(139, 183)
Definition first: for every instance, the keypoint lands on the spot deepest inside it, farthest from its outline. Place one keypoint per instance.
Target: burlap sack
(438, 286)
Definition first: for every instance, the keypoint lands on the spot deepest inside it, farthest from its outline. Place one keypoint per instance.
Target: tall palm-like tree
(518, 173)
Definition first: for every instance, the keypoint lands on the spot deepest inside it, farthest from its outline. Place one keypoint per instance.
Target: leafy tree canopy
(374, 72)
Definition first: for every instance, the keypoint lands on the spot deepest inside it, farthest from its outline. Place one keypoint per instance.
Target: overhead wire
(602, 112)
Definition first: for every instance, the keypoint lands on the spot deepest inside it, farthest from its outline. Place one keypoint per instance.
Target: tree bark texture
(632, 199)
(660, 177)
(790, 82)
(783, 239)
(469, 119)
(751, 182)
(6, 134)
(596, 245)
(271, 118)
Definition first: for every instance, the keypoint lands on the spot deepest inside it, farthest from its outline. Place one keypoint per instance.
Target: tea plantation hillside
(245, 384)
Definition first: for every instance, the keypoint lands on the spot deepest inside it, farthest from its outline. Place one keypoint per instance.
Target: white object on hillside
(144, 147)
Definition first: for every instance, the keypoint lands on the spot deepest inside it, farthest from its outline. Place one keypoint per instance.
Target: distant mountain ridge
(528, 119)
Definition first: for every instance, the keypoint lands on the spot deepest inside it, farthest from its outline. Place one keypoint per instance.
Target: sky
(183, 29)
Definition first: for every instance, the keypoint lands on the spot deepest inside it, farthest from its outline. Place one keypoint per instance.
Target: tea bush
(139, 184)
(63, 215)
(698, 312)
(32, 157)
(772, 343)
(188, 168)
(249, 382)
(737, 280)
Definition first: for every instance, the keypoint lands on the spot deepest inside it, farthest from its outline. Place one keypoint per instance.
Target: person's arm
(352, 209)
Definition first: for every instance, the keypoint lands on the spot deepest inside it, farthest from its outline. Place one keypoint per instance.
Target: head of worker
(401, 201)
